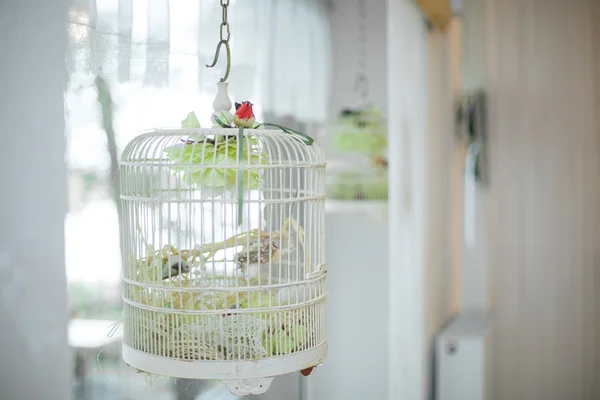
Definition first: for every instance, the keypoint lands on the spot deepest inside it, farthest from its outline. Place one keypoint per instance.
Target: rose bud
(244, 115)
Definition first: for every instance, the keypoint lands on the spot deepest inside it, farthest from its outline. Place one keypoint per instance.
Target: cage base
(225, 370)
(246, 387)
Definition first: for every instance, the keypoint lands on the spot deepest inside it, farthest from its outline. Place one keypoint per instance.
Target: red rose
(244, 110)
(244, 116)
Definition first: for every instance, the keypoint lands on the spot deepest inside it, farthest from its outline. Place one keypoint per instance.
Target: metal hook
(361, 86)
(217, 52)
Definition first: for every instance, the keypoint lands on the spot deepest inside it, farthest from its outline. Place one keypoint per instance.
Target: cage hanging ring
(217, 52)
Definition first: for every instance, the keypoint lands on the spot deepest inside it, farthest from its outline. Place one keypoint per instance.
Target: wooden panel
(440, 139)
(592, 275)
(544, 84)
(437, 11)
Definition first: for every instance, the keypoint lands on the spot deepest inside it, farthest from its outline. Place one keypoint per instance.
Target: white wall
(357, 309)
(33, 307)
(408, 200)
(542, 70)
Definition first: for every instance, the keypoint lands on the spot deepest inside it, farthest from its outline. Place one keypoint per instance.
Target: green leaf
(221, 119)
(301, 136)
(196, 157)
(282, 343)
(300, 335)
(190, 122)
(252, 142)
(179, 150)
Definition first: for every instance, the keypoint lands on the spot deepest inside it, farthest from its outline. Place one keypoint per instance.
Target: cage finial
(221, 105)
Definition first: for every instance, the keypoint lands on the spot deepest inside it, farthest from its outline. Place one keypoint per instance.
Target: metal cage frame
(224, 261)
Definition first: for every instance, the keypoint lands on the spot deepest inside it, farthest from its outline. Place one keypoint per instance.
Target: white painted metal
(356, 365)
(237, 300)
(226, 370)
(463, 355)
(36, 362)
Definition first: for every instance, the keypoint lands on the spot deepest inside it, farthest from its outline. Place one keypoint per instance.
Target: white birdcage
(360, 143)
(224, 274)
(359, 171)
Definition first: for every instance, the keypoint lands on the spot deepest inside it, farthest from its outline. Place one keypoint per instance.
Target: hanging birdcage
(225, 266)
(360, 142)
(224, 272)
(360, 173)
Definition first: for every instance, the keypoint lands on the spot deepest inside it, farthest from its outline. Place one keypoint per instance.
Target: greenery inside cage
(193, 325)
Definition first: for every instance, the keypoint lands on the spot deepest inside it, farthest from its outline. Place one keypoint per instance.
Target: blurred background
(463, 219)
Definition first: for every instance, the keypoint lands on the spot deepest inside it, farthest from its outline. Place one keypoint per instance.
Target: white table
(89, 336)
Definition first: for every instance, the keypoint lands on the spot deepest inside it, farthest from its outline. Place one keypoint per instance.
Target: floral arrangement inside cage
(225, 269)
(362, 134)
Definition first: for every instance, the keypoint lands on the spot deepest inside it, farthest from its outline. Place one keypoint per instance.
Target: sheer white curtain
(153, 56)
(154, 53)
(280, 48)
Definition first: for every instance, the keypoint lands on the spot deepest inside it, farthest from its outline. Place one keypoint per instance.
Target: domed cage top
(224, 273)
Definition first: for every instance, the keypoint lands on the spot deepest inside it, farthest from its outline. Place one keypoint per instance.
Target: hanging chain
(362, 83)
(224, 23)
(224, 34)
(361, 36)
